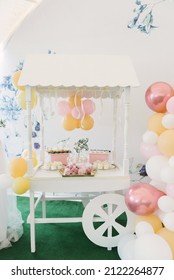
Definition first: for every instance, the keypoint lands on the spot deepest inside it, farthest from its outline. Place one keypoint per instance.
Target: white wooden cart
(58, 76)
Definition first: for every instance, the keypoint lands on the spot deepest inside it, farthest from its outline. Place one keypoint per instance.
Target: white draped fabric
(11, 228)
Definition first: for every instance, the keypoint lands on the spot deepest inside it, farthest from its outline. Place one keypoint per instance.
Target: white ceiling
(13, 12)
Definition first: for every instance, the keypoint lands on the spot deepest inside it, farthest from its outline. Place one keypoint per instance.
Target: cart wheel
(105, 218)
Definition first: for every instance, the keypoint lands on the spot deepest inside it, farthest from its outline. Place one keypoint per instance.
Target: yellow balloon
(21, 185)
(78, 123)
(168, 235)
(87, 122)
(22, 99)
(35, 161)
(15, 79)
(166, 143)
(74, 100)
(69, 123)
(18, 167)
(153, 220)
(25, 154)
(155, 123)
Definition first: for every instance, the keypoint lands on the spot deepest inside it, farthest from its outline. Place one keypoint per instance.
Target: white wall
(100, 27)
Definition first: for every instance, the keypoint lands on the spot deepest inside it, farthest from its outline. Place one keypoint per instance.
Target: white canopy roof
(64, 71)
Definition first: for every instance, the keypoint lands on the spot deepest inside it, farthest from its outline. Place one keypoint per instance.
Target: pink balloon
(157, 96)
(77, 112)
(142, 198)
(149, 150)
(89, 106)
(63, 108)
(170, 105)
(170, 190)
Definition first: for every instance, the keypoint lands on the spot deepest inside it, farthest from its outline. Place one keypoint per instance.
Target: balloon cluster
(76, 113)
(153, 203)
(21, 98)
(17, 178)
(18, 168)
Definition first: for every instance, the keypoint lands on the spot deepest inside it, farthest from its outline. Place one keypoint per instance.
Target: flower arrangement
(81, 145)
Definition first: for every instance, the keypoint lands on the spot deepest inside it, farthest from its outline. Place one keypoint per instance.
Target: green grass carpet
(56, 241)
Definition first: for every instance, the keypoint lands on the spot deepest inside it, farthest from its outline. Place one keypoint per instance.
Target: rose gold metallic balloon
(142, 198)
(157, 96)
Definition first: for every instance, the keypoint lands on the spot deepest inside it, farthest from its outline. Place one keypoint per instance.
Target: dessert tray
(92, 174)
(103, 165)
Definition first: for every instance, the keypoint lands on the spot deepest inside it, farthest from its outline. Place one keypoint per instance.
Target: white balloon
(142, 228)
(166, 203)
(125, 247)
(5, 181)
(150, 137)
(168, 221)
(160, 214)
(154, 165)
(168, 121)
(158, 185)
(152, 247)
(171, 161)
(167, 175)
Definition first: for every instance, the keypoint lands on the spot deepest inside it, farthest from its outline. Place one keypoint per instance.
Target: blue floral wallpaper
(13, 119)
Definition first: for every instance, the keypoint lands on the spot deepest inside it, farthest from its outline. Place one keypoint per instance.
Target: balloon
(170, 105)
(160, 214)
(69, 123)
(168, 221)
(21, 185)
(157, 96)
(77, 112)
(166, 143)
(154, 166)
(149, 150)
(34, 161)
(15, 79)
(152, 219)
(22, 99)
(171, 161)
(141, 198)
(166, 203)
(18, 167)
(74, 101)
(152, 247)
(150, 137)
(125, 246)
(87, 122)
(167, 235)
(89, 106)
(5, 181)
(167, 175)
(170, 190)
(78, 123)
(155, 123)
(143, 228)
(168, 121)
(158, 185)
(63, 108)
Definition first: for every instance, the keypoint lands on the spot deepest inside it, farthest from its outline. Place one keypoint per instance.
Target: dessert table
(82, 76)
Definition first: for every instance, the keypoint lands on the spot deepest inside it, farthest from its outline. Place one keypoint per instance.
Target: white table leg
(32, 222)
(43, 206)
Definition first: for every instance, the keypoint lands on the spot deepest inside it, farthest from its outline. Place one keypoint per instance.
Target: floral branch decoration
(143, 19)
